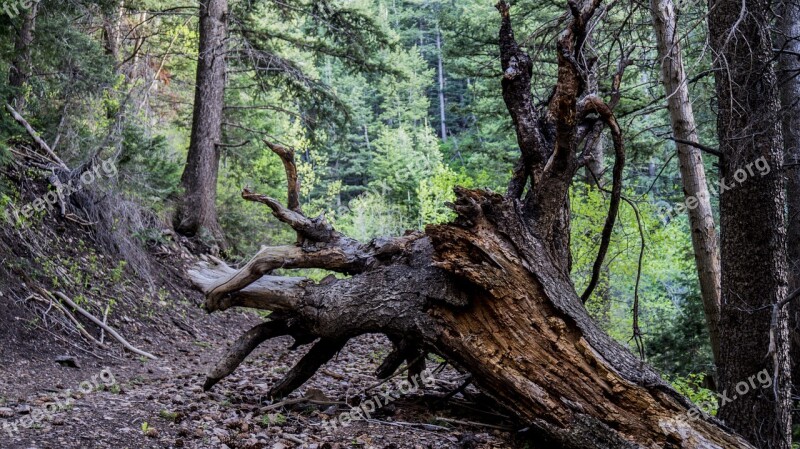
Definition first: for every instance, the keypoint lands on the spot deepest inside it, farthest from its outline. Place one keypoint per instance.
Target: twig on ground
(281, 404)
(110, 331)
(474, 424)
(421, 426)
(70, 316)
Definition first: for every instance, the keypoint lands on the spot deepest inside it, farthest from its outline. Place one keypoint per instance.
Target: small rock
(68, 361)
(24, 409)
(6, 412)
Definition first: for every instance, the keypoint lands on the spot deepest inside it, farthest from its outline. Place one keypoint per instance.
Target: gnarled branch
(594, 104)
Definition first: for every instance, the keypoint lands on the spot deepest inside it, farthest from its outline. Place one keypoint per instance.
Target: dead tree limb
(293, 182)
(35, 136)
(594, 104)
(105, 327)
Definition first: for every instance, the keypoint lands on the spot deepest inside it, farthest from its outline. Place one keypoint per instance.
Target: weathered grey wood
(693, 175)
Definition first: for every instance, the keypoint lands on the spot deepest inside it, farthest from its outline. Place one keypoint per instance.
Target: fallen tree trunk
(489, 292)
(483, 293)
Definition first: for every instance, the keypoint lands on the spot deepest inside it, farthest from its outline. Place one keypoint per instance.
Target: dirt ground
(132, 403)
(112, 398)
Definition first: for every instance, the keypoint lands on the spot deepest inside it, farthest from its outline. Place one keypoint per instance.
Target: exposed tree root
(243, 347)
(319, 354)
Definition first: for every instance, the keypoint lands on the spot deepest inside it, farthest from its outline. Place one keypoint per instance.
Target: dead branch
(317, 229)
(594, 104)
(293, 183)
(52, 303)
(35, 136)
(318, 355)
(699, 146)
(100, 324)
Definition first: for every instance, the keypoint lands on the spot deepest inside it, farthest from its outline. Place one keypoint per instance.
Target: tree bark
(695, 189)
(21, 68)
(786, 42)
(112, 23)
(753, 232)
(197, 213)
(442, 114)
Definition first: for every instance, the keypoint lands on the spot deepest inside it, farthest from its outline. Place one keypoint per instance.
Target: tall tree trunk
(112, 23)
(695, 189)
(138, 43)
(198, 212)
(787, 43)
(753, 232)
(20, 71)
(595, 162)
(491, 291)
(442, 114)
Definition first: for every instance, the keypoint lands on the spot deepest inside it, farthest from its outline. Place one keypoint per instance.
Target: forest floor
(115, 399)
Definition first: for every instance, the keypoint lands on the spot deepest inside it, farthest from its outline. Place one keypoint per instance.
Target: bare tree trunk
(197, 213)
(138, 43)
(695, 189)
(20, 71)
(112, 24)
(787, 42)
(753, 233)
(442, 114)
(595, 161)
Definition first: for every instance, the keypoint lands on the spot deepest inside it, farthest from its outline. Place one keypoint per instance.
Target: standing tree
(684, 130)
(440, 74)
(197, 212)
(787, 44)
(490, 291)
(20, 71)
(753, 333)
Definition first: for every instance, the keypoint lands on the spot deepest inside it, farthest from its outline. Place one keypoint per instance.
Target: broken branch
(35, 136)
(109, 330)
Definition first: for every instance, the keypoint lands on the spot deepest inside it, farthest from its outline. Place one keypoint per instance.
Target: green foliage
(149, 171)
(372, 215)
(273, 419)
(692, 387)
(403, 158)
(434, 192)
(681, 346)
(168, 415)
(667, 258)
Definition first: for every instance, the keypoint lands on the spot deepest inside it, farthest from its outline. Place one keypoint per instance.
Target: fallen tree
(489, 292)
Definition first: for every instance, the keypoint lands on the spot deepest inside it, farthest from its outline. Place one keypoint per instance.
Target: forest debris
(67, 360)
(110, 331)
(35, 136)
